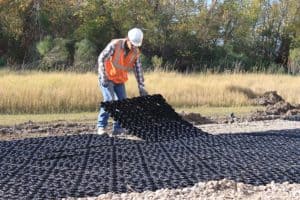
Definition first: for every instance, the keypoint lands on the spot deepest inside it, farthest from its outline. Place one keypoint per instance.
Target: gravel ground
(248, 127)
(224, 189)
(215, 190)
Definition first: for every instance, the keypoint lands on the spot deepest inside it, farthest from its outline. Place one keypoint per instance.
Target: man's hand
(104, 83)
(107, 83)
(110, 86)
(142, 91)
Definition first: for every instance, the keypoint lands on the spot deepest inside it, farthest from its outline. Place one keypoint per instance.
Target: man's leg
(121, 94)
(103, 115)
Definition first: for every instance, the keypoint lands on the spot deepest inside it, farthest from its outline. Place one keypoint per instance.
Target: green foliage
(85, 55)
(275, 69)
(45, 45)
(146, 62)
(95, 23)
(188, 35)
(2, 62)
(157, 63)
(58, 57)
(294, 65)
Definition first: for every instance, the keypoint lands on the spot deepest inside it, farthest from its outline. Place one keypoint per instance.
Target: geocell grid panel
(89, 164)
(150, 118)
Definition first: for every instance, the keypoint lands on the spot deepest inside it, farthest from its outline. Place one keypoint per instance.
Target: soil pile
(276, 107)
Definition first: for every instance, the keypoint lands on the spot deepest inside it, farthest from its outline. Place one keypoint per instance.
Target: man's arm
(138, 72)
(104, 55)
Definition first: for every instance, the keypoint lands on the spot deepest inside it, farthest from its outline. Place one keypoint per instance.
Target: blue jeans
(119, 94)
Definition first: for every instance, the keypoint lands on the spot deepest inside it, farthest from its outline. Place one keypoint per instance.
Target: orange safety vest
(118, 65)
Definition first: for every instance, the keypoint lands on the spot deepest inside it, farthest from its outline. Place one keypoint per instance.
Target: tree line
(183, 35)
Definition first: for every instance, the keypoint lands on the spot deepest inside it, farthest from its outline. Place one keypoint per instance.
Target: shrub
(294, 64)
(85, 55)
(275, 69)
(58, 57)
(157, 63)
(45, 45)
(2, 61)
(146, 62)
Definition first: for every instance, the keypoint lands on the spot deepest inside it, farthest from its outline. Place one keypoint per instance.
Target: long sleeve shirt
(107, 53)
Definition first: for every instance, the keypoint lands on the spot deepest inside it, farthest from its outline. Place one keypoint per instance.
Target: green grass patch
(72, 117)
(220, 111)
(91, 117)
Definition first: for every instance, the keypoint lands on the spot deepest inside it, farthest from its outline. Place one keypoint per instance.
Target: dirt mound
(276, 107)
(279, 108)
(268, 98)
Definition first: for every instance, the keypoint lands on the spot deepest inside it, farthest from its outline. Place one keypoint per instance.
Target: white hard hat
(135, 36)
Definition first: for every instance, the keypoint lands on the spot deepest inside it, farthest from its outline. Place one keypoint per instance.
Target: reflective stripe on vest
(116, 59)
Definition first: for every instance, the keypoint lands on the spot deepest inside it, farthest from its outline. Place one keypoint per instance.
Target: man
(114, 62)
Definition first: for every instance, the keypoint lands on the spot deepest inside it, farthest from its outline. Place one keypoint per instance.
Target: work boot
(101, 131)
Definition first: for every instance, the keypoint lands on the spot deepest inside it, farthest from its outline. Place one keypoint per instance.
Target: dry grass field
(76, 97)
(60, 92)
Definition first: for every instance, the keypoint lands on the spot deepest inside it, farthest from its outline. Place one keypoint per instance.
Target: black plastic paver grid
(90, 165)
(150, 118)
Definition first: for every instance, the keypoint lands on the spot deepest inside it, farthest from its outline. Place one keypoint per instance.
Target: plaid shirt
(107, 53)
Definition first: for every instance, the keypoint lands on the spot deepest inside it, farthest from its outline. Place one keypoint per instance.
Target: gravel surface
(214, 190)
(224, 189)
(249, 127)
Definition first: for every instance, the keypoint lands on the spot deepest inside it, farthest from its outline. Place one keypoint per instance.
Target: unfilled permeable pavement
(171, 153)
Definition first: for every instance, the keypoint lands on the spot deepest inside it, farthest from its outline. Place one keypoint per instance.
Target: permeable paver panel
(90, 165)
(150, 118)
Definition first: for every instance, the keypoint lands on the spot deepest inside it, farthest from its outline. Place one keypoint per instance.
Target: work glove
(142, 91)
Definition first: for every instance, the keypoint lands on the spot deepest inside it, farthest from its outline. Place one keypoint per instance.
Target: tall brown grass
(38, 92)
(221, 89)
